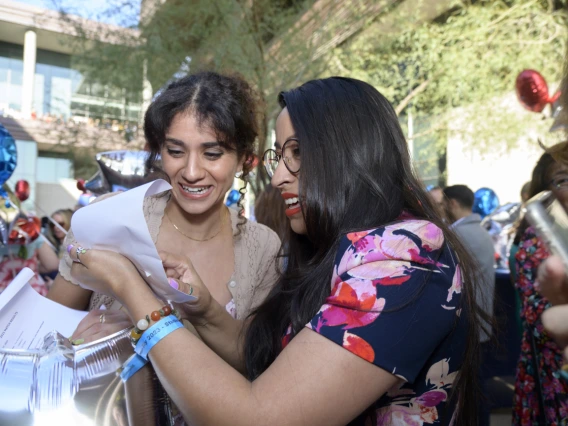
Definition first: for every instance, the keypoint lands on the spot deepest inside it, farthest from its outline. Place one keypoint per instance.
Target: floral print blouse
(395, 302)
(537, 383)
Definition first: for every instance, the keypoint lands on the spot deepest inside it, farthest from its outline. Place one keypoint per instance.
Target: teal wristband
(156, 333)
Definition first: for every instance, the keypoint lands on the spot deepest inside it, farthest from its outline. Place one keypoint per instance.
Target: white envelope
(118, 224)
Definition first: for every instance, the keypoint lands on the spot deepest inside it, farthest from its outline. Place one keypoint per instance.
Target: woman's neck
(200, 226)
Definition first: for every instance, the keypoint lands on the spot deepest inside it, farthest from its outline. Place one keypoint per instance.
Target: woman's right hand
(182, 275)
(100, 323)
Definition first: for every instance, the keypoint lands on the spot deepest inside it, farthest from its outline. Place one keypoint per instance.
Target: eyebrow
(277, 144)
(212, 144)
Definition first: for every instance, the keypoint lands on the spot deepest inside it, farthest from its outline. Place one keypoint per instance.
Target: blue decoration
(8, 155)
(233, 197)
(7, 204)
(485, 202)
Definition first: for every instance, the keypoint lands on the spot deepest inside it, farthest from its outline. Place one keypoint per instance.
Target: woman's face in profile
(285, 181)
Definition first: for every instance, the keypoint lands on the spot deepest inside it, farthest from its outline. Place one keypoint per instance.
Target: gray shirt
(480, 245)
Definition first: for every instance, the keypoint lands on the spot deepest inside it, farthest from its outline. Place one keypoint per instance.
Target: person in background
(458, 204)
(269, 209)
(540, 396)
(57, 229)
(437, 196)
(28, 250)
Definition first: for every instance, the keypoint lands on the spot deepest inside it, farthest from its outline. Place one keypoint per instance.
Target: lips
(292, 201)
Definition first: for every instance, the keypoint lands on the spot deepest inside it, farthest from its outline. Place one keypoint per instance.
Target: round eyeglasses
(290, 153)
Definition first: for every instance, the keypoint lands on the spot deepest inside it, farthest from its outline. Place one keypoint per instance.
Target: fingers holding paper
(102, 271)
(183, 277)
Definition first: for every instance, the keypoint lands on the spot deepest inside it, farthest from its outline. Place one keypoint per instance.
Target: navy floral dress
(395, 302)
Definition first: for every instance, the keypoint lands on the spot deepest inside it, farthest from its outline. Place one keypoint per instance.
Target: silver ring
(102, 318)
(78, 252)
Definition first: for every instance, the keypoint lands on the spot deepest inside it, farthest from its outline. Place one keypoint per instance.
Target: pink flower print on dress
(389, 272)
(431, 236)
(351, 306)
(356, 236)
(399, 415)
(358, 346)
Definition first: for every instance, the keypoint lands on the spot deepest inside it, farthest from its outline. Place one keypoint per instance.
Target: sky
(106, 11)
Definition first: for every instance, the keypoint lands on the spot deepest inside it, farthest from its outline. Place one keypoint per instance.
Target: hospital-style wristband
(156, 333)
(146, 342)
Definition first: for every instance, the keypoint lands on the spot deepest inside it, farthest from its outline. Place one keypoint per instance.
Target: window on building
(52, 170)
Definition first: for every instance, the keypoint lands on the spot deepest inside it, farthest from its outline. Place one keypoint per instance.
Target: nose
(282, 176)
(193, 170)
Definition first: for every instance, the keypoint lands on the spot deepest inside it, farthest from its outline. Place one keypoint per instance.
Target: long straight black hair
(356, 174)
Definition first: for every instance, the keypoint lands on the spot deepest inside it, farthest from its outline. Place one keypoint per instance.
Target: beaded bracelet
(144, 323)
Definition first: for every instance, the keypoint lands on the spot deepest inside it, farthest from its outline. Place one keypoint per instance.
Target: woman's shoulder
(397, 238)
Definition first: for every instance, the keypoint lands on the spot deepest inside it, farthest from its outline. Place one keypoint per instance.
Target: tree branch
(415, 92)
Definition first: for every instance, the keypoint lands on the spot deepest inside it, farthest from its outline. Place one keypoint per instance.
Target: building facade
(51, 109)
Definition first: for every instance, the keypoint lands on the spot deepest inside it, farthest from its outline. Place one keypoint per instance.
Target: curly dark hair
(225, 103)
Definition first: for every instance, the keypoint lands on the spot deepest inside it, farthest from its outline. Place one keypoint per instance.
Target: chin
(298, 228)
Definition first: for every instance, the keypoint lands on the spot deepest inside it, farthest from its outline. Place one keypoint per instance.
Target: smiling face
(201, 171)
(285, 181)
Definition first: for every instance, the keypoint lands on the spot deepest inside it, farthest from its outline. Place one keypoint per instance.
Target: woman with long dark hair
(372, 322)
(201, 132)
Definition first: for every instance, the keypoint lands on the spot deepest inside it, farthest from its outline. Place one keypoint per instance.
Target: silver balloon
(118, 171)
(65, 385)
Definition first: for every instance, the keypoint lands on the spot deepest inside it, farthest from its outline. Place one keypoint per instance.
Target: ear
(453, 203)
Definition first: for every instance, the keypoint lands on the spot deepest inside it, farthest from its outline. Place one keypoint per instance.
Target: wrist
(139, 302)
(212, 317)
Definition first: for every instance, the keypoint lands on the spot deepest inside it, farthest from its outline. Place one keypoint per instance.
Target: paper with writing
(26, 317)
(118, 224)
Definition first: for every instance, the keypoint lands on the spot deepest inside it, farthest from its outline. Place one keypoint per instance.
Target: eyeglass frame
(278, 158)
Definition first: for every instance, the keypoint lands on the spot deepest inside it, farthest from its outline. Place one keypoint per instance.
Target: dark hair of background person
(355, 175)
(462, 194)
(224, 103)
(541, 177)
(525, 190)
(269, 209)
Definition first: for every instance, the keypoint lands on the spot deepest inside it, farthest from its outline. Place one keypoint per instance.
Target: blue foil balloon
(8, 155)
(485, 202)
(233, 197)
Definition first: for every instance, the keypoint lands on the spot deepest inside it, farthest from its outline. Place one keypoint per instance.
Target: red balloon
(22, 190)
(81, 185)
(532, 90)
(25, 231)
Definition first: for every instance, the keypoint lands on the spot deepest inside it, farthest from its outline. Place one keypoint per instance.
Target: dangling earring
(239, 175)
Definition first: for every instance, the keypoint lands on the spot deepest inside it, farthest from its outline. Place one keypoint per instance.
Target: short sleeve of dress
(395, 296)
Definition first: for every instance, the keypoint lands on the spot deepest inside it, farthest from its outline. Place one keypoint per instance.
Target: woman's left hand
(102, 271)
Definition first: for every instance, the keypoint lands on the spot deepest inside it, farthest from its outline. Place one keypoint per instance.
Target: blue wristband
(131, 366)
(156, 333)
